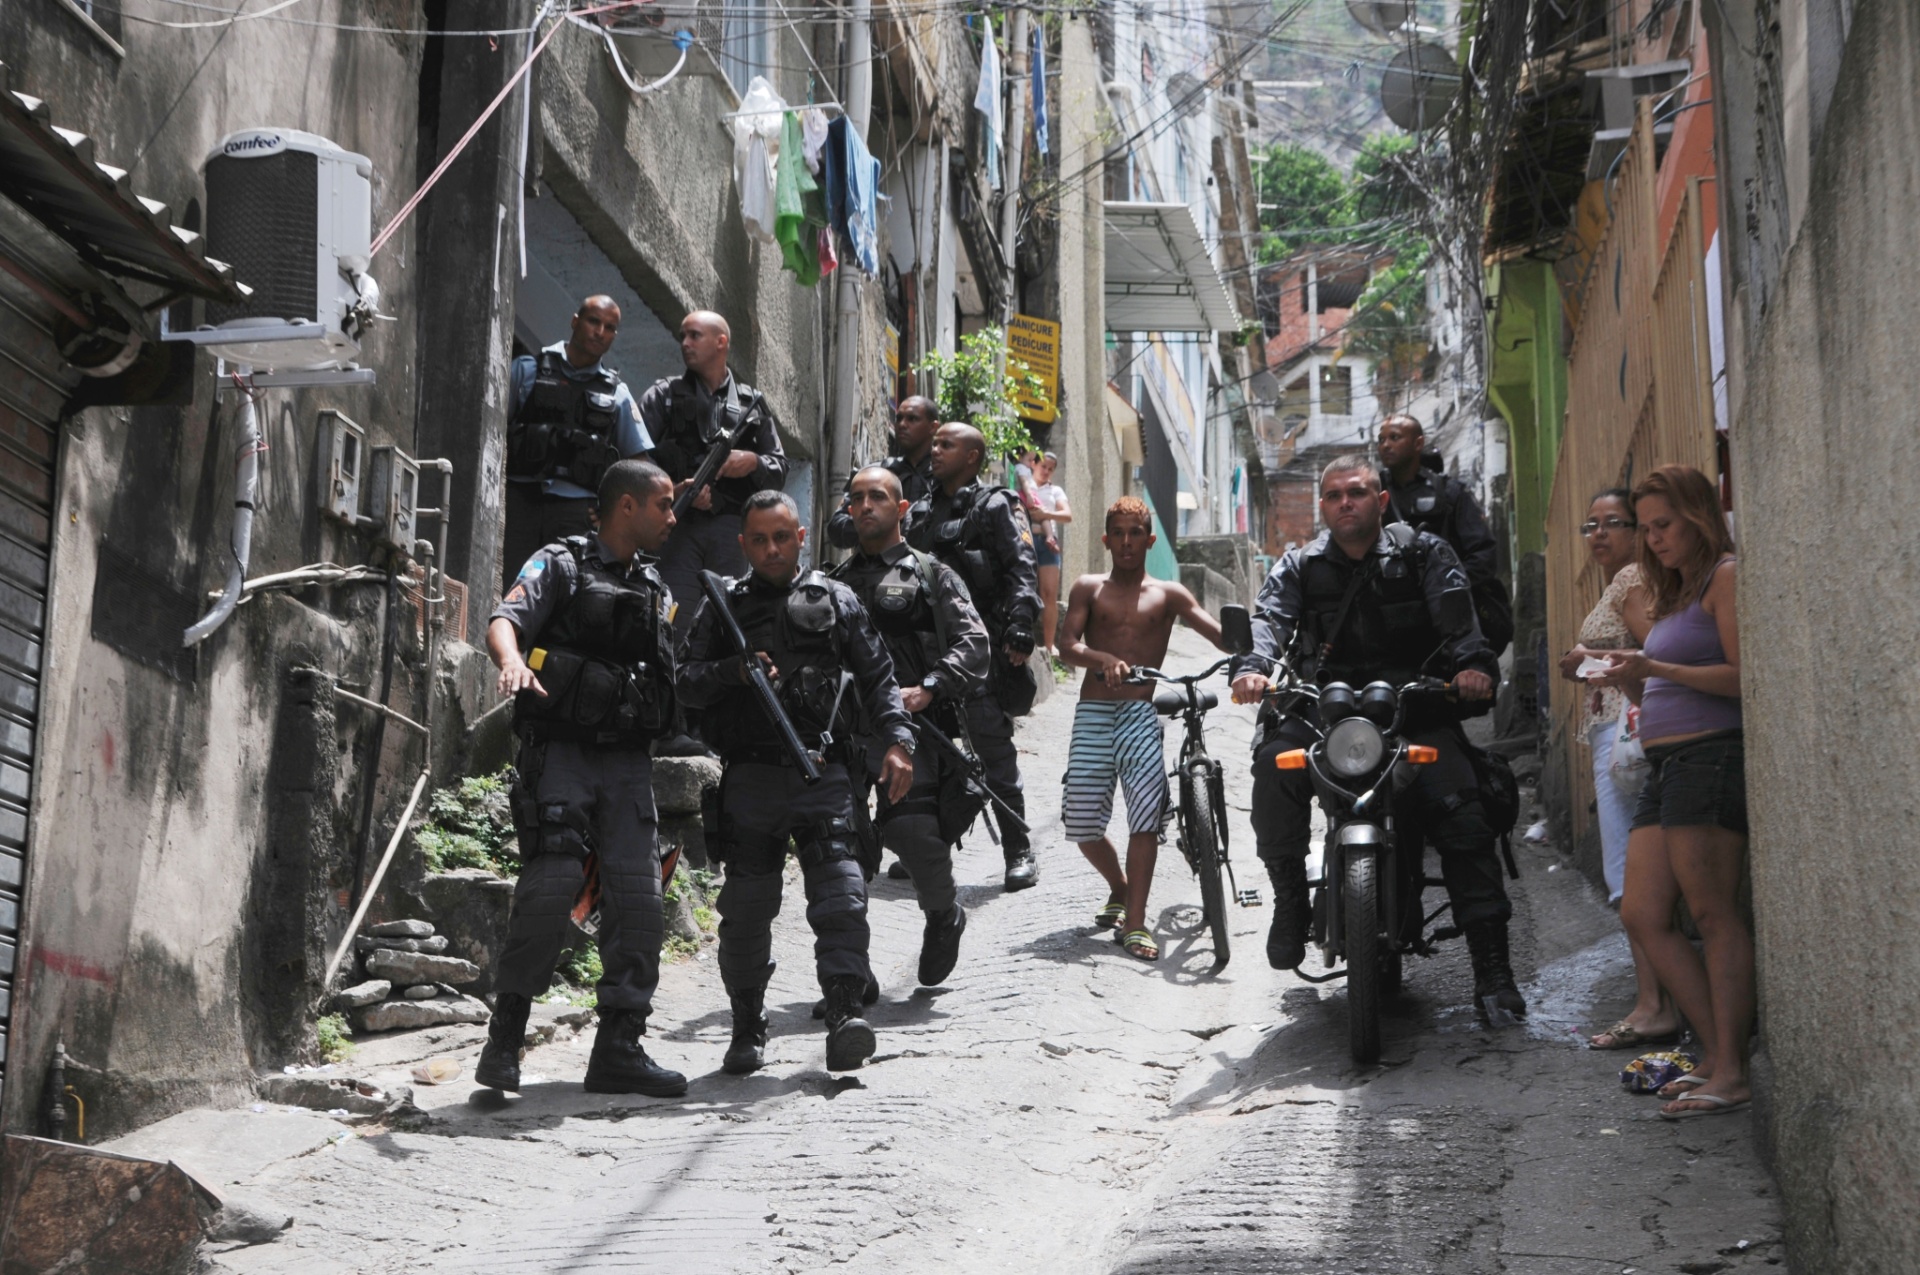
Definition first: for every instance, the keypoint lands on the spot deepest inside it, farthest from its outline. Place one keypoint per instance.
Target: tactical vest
(607, 662)
(1388, 632)
(960, 541)
(798, 629)
(898, 598)
(568, 427)
(688, 433)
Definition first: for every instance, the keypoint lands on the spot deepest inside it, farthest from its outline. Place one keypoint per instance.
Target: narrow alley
(1057, 1107)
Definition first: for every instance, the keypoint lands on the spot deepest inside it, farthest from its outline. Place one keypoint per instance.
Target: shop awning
(1159, 276)
(52, 174)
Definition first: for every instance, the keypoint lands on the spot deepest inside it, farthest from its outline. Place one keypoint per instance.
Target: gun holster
(522, 798)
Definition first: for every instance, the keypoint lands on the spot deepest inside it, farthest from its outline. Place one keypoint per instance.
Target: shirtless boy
(1114, 623)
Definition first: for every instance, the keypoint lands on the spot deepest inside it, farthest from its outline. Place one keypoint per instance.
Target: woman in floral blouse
(1618, 622)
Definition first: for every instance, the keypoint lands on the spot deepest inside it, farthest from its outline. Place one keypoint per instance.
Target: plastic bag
(1628, 763)
(1649, 1073)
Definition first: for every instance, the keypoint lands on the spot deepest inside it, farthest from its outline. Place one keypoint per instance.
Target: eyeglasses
(1611, 524)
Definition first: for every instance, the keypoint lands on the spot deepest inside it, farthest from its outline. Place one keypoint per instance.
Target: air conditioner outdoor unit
(293, 214)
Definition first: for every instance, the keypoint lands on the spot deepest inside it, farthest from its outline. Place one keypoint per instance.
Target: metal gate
(34, 382)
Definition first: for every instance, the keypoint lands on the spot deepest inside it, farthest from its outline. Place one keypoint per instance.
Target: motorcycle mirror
(1456, 611)
(1236, 626)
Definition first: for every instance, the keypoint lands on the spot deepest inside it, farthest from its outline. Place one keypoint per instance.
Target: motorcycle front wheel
(1364, 950)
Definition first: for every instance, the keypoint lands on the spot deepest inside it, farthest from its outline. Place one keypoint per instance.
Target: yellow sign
(1035, 342)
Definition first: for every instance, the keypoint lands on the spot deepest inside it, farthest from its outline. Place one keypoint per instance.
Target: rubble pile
(410, 982)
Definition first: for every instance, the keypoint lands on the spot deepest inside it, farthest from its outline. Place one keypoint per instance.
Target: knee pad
(828, 841)
(1459, 825)
(912, 830)
(836, 896)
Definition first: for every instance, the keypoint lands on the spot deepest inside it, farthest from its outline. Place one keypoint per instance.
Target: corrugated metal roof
(52, 173)
(1159, 276)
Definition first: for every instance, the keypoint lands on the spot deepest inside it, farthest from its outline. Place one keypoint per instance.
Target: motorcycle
(1367, 902)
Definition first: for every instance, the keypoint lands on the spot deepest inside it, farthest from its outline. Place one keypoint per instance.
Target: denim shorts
(1044, 554)
(1697, 783)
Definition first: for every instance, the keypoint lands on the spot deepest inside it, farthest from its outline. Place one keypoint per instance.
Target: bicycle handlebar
(1141, 675)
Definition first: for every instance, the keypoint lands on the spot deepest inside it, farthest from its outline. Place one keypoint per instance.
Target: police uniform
(982, 534)
(916, 481)
(1392, 631)
(1442, 505)
(937, 643)
(814, 630)
(684, 417)
(569, 424)
(596, 630)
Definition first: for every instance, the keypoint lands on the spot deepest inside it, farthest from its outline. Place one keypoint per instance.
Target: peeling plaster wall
(1828, 578)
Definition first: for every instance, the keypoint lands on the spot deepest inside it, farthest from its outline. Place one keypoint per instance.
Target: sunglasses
(1611, 524)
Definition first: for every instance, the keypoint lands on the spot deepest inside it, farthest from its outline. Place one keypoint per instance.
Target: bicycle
(1201, 811)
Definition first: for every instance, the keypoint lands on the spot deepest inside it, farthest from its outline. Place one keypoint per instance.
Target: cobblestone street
(1059, 1107)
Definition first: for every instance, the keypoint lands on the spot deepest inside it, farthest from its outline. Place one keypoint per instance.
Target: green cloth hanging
(798, 206)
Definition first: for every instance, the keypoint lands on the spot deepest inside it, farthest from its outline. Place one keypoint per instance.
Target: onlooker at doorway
(1618, 622)
(1689, 836)
(1052, 512)
(573, 417)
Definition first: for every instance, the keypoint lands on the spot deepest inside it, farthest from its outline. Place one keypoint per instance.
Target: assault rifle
(716, 591)
(975, 771)
(709, 466)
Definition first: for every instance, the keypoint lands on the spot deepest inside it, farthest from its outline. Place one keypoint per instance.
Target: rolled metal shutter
(34, 382)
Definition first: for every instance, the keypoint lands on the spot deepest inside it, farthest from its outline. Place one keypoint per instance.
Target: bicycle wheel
(1362, 890)
(1203, 850)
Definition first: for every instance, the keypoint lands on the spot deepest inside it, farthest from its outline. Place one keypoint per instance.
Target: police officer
(912, 463)
(1432, 501)
(982, 534)
(583, 644)
(821, 651)
(939, 650)
(684, 415)
(1364, 603)
(572, 418)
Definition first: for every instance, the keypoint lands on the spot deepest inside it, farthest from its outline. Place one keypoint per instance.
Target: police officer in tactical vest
(584, 646)
(828, 667)
(1366, 602)
(685, 416)
(939, 650)
(911, 463)
(1433, 501)
(573, 417)
(982, 534)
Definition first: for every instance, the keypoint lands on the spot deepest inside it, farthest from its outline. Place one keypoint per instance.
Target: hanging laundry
(829, 260)
(792, 225)
(986, 100)
(813, 128)
(756, 191)
(853, 188)
(1040, 129)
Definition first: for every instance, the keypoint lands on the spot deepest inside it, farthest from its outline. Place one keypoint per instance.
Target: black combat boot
(1022, 872)
(748, 1052)
(867, 997)
(619, 1065)
(500, 1060)
(849, 1038)
(1287, 939)
(940, 945)
(1494, 992)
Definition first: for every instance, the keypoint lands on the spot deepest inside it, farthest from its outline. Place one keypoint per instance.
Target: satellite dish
(1186, 94)
(1418, 86)
(1382, 17)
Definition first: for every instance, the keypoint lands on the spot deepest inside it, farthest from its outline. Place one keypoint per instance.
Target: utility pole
(1017, 40)
(857, 103)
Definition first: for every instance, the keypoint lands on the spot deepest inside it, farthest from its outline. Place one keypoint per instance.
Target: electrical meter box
(395, 483)
(343, 451)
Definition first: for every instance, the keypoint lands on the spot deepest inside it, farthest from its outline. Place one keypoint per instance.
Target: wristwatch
(910, 744)
(930, 684)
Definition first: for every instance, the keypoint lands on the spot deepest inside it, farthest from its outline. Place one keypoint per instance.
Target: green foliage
(1303, 196)
(978, 384)
(469, 826)
(335, 1038)
(1384, 185)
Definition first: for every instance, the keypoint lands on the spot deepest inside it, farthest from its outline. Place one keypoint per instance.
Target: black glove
(1020, 641)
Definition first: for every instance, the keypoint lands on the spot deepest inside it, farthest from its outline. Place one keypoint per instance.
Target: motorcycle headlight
(1355, 747)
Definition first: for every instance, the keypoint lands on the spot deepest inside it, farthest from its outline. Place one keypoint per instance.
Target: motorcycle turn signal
(1421, 755)
(1295, 759)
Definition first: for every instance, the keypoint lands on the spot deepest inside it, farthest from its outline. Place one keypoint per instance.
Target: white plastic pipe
(245, 482)
(379, 875)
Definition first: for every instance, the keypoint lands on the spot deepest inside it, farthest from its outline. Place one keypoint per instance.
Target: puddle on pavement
(1561, 995)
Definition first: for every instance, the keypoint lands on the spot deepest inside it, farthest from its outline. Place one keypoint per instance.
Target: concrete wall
(1822, 463)
(172, 923)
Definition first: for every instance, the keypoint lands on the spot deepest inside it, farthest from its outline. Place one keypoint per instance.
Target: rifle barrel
(757, 675)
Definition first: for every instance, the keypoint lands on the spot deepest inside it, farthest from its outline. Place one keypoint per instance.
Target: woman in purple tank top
(1689, 837)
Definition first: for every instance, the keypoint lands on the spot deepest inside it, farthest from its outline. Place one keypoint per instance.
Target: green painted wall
(1527, 384)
